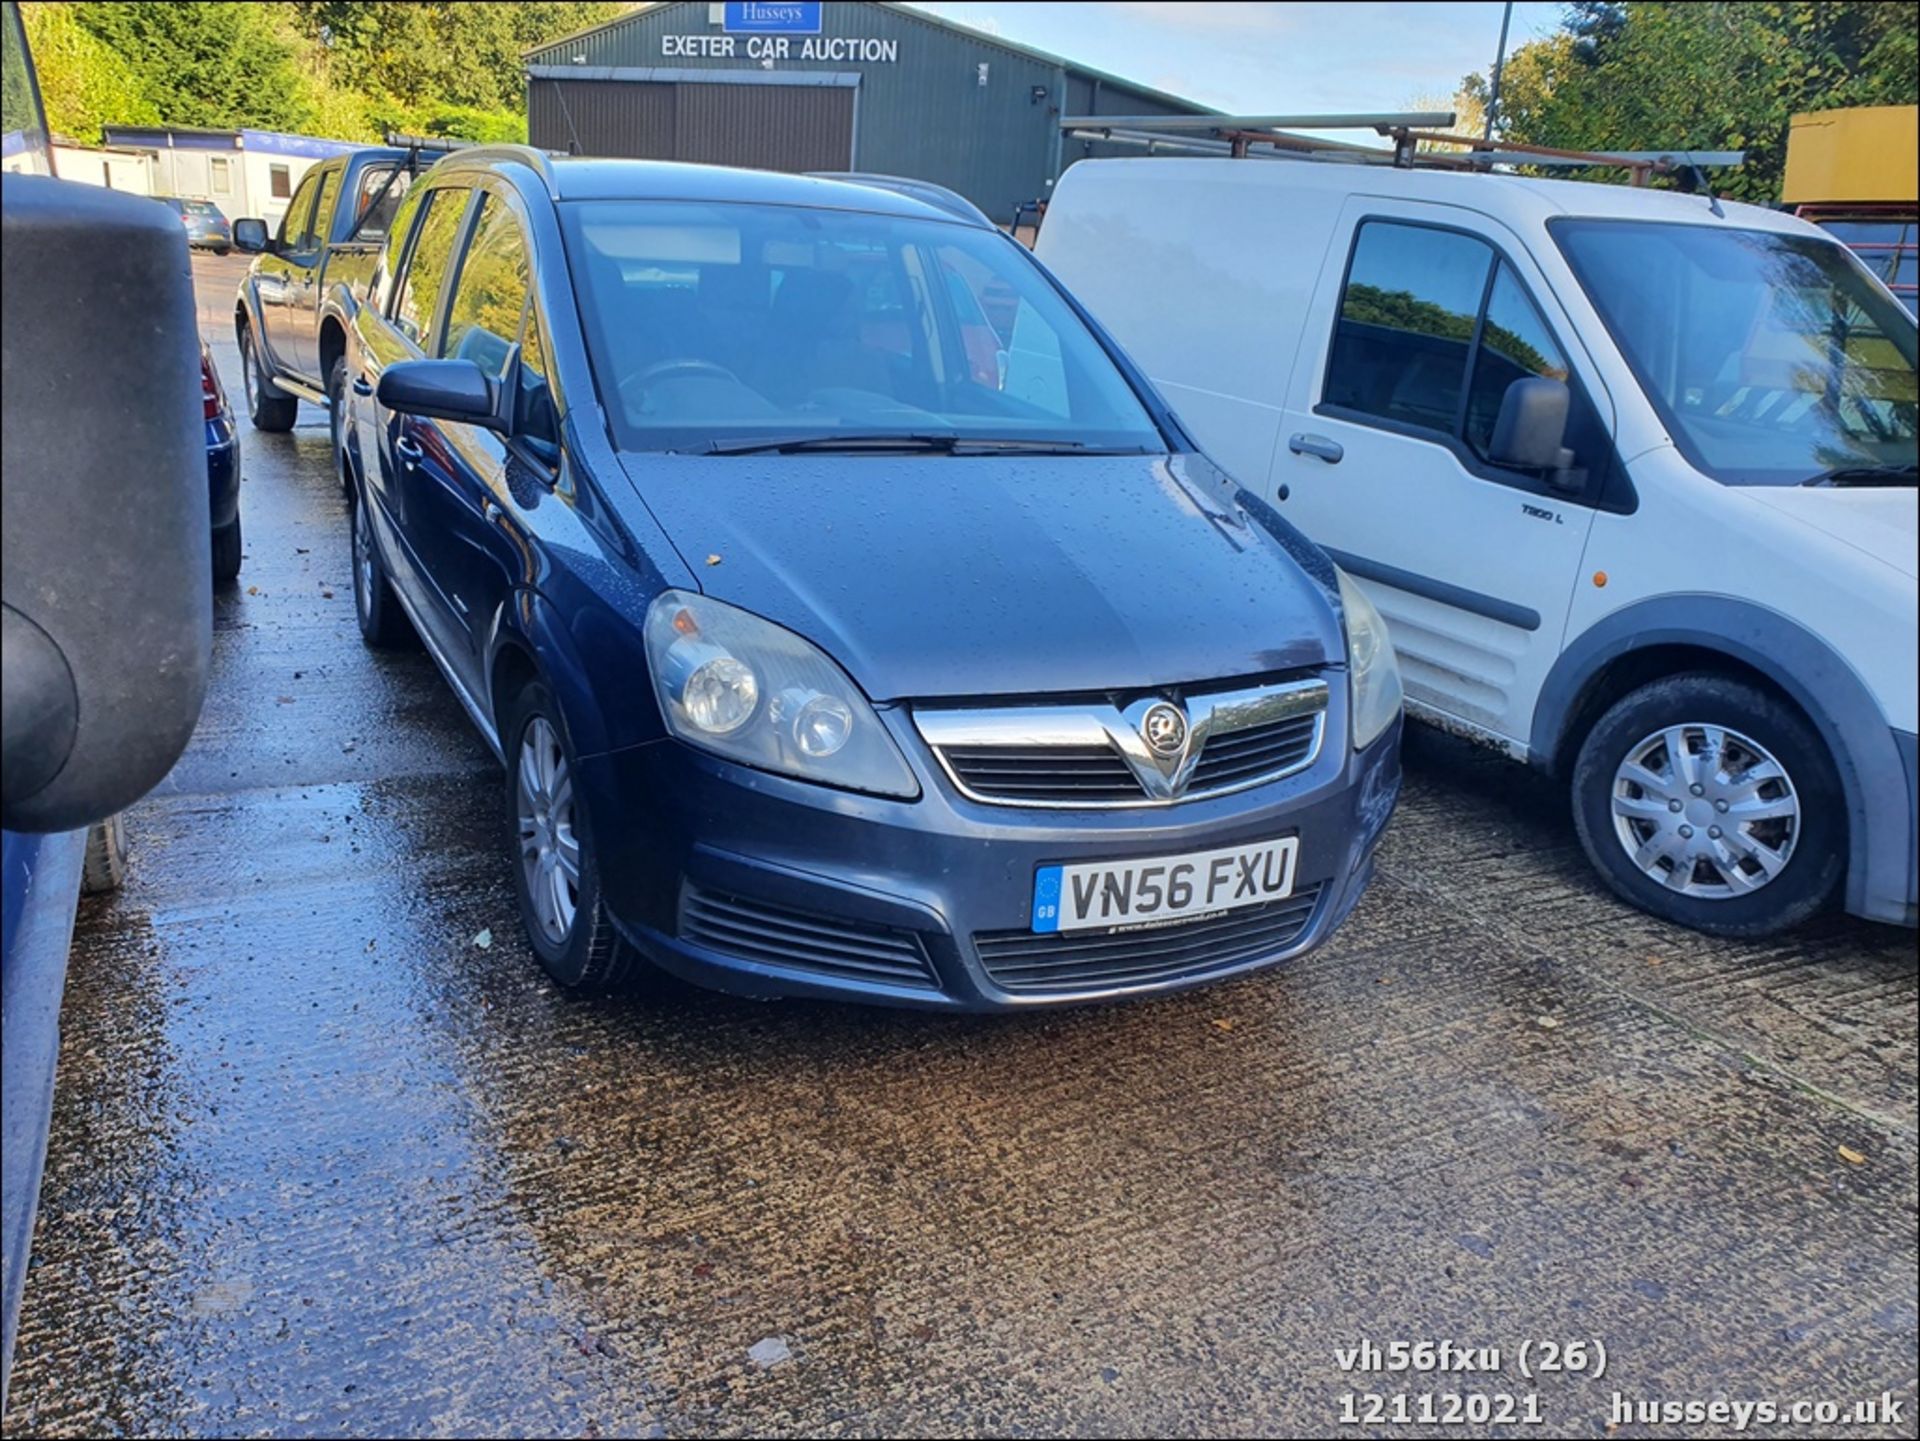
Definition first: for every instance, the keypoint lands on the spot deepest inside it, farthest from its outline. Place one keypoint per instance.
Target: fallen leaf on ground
(1223, 1024)
(1548, 1023)
(1852, 1157)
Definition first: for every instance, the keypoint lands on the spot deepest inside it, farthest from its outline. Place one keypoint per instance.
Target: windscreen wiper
(940, 442)
(1867, 475)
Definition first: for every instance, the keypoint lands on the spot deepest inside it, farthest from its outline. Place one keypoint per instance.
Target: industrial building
(854, 86)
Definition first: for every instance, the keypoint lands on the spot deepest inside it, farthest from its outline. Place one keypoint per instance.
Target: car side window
(293, 221)
(378, 203)
(429, 257)
(490, 294)
(1406, 323)
(320, 221)
(397, 237)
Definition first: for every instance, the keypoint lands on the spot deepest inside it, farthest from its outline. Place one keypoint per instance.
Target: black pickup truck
(298, 299)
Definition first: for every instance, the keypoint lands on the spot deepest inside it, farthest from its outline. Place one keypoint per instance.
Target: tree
(216, 63)
(83, 82)
(1706, 76)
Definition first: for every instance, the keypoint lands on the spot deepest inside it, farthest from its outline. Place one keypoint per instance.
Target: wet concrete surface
(323, 1164)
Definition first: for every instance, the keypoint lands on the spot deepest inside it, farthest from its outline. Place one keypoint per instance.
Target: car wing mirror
(104, 541)
(455, 390)
(250, 235)
(1530, 432)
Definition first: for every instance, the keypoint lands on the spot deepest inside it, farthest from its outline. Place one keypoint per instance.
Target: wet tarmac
(324, 1163)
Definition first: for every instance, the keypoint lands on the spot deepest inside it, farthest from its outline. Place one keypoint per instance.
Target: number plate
(1114, 894)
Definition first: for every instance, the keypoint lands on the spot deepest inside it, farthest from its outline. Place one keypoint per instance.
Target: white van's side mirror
(1530, 432)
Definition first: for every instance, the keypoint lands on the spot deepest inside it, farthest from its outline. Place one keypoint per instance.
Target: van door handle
(491, 512)
(1328, 450)
(409, 451)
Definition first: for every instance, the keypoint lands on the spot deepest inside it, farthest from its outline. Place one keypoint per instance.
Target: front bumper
(670, 822)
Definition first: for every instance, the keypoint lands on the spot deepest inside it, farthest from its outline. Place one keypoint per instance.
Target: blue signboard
(772, 17)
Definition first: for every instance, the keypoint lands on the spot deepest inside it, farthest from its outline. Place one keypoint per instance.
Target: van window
(1770, 357)
(490, 295)
(1514, 344)
(1406, 323)
(418, 292)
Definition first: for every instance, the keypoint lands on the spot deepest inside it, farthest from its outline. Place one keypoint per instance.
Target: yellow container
(1870, 154)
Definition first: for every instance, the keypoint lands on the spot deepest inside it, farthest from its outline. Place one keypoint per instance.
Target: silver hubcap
(549, 852)
(247, 378)
(1705, 811)
(362, 563)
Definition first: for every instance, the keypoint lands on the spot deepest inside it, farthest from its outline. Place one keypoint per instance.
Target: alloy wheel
(549, 849)
(1705, 811)
(363, 580)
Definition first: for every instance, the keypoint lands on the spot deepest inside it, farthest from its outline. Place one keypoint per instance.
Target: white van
(1629, 472)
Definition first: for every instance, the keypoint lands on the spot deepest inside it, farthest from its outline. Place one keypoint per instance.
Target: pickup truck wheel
(556, 873)
(267, 408)
(226, 553)
(1714, 804)
(383, 625)
(337, 424)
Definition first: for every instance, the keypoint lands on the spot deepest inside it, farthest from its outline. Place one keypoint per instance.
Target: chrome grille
(1276, 747)
(779, 935)
(1029, 961)
(1095, 753)
(1044, 773)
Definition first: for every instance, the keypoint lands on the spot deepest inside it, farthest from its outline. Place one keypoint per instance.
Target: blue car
(207, 227)
(824, 656)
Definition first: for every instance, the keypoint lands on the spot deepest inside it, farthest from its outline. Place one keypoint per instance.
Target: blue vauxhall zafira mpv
(851, 617)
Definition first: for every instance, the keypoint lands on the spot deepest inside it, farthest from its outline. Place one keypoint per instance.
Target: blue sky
(1272, 59)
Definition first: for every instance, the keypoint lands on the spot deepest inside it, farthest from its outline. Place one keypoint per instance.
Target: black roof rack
(1273, 137)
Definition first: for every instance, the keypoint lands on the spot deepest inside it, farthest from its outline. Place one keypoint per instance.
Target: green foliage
(350, 69)
(83, 82)
(217, 63)
(1706, 76)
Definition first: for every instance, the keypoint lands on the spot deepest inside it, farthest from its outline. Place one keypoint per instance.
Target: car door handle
(1328, 450)
(362, 386)
(491, 512)
(409, 451)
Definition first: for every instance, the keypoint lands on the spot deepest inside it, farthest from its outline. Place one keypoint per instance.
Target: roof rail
(538, 161)
(924, 191)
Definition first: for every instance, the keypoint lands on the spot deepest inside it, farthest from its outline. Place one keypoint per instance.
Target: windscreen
(716, 322)
(1772, 358)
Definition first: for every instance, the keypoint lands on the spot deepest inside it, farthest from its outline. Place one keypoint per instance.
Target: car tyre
(1747, 751)
(267, 407)
(556, 872)
(383, 624)
(337, 424)
(226, 553)
(105, 863)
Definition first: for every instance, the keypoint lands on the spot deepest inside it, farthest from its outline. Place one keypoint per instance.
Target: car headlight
(1373, 675)
(744, 688)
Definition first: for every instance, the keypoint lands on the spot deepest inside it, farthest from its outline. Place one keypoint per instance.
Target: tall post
(1499, 62)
